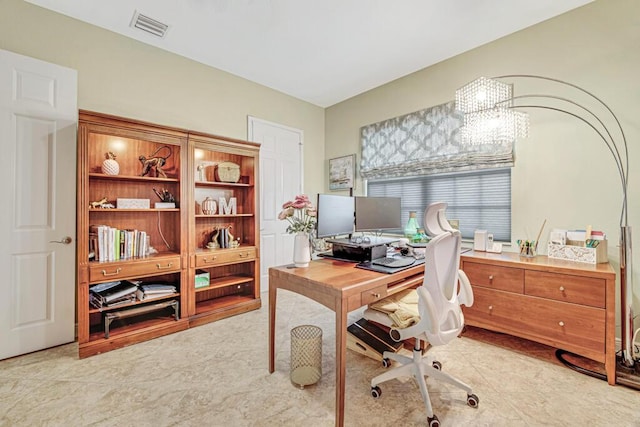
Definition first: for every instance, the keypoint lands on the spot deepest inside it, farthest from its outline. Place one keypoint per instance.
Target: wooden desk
(563, 304)
(341, 287)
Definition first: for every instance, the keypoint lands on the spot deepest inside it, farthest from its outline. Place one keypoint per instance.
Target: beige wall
(120, 76)
(563, 172)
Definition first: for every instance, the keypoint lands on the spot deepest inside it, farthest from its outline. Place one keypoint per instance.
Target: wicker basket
(227, 172)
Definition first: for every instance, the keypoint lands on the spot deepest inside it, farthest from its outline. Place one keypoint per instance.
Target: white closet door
(280, 181)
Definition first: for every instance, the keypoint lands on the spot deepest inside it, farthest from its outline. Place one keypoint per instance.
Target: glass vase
(411, 229)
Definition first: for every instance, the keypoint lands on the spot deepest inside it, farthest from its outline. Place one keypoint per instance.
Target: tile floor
(216, 375)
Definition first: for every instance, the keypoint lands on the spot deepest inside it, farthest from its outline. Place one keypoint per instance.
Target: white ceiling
(320, 51)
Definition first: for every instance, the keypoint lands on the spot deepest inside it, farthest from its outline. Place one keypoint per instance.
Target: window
(479, 200)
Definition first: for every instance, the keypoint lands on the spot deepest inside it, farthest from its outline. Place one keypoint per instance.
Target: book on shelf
(111, 244)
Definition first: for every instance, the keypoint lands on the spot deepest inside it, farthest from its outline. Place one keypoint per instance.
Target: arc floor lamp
(492, 113)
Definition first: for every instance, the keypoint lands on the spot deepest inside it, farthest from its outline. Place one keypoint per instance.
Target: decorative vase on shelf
(110, 166)
(301, 249)
(209, 206)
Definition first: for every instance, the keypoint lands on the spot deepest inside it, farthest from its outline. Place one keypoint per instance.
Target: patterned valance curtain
(425, 142)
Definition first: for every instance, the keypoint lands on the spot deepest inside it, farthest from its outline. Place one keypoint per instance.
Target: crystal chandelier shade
(494, 126)
(483, 94)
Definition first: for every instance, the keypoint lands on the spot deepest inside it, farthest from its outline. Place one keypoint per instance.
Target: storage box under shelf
(579, 253)
(201, 279)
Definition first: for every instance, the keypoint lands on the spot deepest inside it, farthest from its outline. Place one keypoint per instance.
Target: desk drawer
(372, 295)
(102, 272)
(495, 277)
(564, 287)
(220, 257)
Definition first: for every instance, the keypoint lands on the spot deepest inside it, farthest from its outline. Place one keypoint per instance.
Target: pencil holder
(527, 248)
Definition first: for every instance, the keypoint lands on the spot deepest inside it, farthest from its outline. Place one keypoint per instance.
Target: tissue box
(133, 203)
(202, 279)
(579, 253)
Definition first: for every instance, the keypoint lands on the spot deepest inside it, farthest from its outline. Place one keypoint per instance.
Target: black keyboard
(394, 262)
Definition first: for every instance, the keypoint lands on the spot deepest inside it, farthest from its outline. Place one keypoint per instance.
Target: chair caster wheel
(433, 421)
(386, 362)
(437, 365)
(376, 392)
(472, 400)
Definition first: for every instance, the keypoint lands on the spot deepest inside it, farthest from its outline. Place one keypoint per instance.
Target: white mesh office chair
(444, 289)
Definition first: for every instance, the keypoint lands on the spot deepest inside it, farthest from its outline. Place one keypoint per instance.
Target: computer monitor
(335, 215)
(377, 213)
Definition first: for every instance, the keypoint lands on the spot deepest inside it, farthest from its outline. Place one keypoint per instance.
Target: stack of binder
(112, 293)
(148, 291)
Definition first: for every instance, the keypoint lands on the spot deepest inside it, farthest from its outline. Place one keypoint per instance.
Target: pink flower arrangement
(300, 213)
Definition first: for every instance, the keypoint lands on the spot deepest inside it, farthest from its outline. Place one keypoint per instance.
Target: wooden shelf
(130, 334)
(224, 216)
(116, 210)
(131, 178)
(223, 282)
(153, 257)
(131, 304)
(221, 184)
(222, 303)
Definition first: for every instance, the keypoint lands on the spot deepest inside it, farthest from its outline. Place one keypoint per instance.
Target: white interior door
(280, 181)
(38, 121)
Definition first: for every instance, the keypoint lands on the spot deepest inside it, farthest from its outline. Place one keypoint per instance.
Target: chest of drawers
(559, 303)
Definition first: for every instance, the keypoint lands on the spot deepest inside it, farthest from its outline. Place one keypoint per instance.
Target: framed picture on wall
(341, 172)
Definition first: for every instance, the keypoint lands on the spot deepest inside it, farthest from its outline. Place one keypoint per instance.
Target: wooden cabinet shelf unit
(99, 134)
(234, 271)
(563, 304)
(176, 234)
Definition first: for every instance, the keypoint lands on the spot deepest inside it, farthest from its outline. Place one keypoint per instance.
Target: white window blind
(479, 200)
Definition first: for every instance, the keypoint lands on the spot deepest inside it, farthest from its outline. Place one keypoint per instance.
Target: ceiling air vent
(150, 25)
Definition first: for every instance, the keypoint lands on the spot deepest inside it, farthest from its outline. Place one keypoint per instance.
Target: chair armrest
(465, 293)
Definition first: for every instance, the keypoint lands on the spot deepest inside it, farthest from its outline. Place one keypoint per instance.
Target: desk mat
(389, 270)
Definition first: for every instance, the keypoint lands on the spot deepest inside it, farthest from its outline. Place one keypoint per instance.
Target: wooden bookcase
(234, 271)
(175, 234)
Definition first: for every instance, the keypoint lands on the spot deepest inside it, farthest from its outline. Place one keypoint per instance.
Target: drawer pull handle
(105, 274)
(490, 307)
(164, 268)
(376, 295)
(561, 288)
(209, 259)
(491, 278)
(561, 323)
(243, 255)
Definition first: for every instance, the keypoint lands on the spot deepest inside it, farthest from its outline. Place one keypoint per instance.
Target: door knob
(65, 240)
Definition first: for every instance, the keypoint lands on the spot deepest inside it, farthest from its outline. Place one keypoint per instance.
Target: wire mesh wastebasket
(306, 355)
